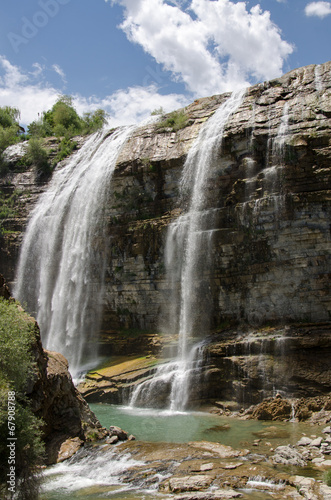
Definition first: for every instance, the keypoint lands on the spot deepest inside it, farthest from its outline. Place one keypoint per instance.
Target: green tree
(17, 368)
(9, 131)
(94, 121)
(65, 116)
(9, 116)
(63, 120)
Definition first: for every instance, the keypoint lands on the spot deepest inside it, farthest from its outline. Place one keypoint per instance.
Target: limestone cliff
(270, 190)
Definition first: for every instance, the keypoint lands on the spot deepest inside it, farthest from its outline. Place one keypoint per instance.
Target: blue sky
(132, 56)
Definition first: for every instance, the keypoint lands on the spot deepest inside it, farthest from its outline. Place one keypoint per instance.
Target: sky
(130, 57)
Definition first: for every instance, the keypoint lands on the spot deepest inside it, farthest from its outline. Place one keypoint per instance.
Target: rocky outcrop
(67, 421)
(4, 290)
(294, 361)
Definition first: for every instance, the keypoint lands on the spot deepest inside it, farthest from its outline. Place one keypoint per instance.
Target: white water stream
(62, 260)
(188, 263)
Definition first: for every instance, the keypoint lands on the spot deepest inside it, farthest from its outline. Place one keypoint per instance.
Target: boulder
(189, 483)
(288, 455)
(273, 409)
(118, 432)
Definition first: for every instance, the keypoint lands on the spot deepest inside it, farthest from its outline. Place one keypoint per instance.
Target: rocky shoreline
(208, 470)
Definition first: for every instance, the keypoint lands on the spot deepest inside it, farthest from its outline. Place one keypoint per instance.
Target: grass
(327, 477)
(175, 121)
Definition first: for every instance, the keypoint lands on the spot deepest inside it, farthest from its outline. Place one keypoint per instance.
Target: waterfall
(62, 261)
(188, 262)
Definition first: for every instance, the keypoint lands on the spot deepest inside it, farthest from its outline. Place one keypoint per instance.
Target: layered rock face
(269, 189)
(270, 186)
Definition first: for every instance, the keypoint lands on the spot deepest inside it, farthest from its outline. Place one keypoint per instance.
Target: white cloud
(220, 47)
(131, 105)
(31, 94)
(22, 90)
(319, 9)
(60, 72)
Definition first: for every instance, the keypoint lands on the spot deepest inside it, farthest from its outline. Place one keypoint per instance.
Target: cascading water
(62, 260)
(188, 264)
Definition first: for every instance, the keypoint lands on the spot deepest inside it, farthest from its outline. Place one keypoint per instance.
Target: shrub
(9, 117)
(94, 121)
(40, 128)
(38, 156)
(63, 121)
(66, 147)
(327, 477)
(158, 111)
(175, 120)
(17, 336)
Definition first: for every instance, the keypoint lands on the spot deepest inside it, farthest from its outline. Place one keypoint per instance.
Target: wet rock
(4, 290)
(273, 409)
(288, 455)
(221, 450)
(112, 439)
(215, 495)
(304, 441)
(189, 483)
(118, 432)
(316, 442)
(68, 448)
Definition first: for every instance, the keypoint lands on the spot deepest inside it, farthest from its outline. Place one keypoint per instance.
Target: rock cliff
(67, 421)
(270, 191)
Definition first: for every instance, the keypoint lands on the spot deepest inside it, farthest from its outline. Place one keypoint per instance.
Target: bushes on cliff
(19, 461)
(9, 130)
(174, 121)
(62, 120)
(38, 156)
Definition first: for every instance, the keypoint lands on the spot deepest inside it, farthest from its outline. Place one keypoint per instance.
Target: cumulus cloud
(31, 94)
(319, 9)
(131, 105)
(24, 90)
(212, 46)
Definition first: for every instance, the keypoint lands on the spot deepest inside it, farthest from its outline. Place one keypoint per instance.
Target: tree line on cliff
(61, 121)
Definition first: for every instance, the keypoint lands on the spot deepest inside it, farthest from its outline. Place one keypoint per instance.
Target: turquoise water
(99, 475)
(182, 427)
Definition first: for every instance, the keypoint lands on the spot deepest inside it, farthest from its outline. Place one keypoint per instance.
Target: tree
(63, 120)
(65, 117)
(94, 121)
(9, 131)
(9, 117)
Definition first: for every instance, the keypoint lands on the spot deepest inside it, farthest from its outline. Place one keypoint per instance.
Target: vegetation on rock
(327, 477)
(9, 130)
(62, 120)
(17, 336)
(175, 121)
(38, 156)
